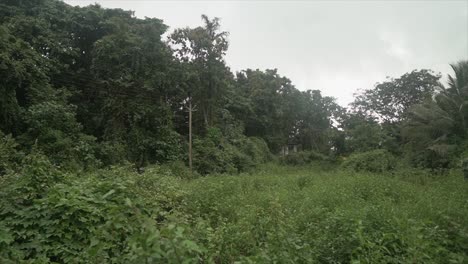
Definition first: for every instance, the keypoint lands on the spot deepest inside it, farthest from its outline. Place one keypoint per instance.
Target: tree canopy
(91, 86)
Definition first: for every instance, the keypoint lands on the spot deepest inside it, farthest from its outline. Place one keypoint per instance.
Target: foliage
(280, 114)
(9, 155)
(179, 169)
(370, 161)
(95, 87)
(73, 77)
(218, 154)
(50, 217)
(391, 100)
(277, 214)
(94, 140)
(23, 79)
(436, 129)
(203, 48)
(52, 127)
(303, 158)
(362, 134)
(303, 215)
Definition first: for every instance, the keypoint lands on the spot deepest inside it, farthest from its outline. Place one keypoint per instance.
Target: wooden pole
(190, 109)
(190, 135)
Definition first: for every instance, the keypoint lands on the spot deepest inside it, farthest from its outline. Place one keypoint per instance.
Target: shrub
(256, 149)
(209, 157)
(112, 152)
(9, 156)
(299, 158)
(280, 215)
(372, 161)
(179, 169)
(53, 128)
(303, 157)
(148, 147)
(216, 154)
(106, 217)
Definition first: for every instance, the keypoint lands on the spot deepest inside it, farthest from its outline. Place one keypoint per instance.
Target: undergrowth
(276, 214)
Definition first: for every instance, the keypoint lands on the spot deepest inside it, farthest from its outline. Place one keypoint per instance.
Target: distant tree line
(92, 87)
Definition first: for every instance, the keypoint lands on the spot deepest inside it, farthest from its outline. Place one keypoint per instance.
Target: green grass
(300, 215)
(277, 214)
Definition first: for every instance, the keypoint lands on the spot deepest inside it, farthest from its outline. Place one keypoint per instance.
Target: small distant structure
(291, 147)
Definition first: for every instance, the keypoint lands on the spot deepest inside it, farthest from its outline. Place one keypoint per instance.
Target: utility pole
(190, 110)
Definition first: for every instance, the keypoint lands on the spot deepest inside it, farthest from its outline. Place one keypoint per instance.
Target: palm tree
(454, 99)
(459, 83)
(439, 125)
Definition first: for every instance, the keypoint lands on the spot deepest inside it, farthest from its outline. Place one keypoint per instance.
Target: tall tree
(279, 113)
(389, 101)
(131, 64)
(203, 48)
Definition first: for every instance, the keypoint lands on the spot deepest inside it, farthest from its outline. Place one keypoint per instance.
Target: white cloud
(396, 46)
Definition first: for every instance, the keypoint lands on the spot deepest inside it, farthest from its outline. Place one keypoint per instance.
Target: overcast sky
(334, 46)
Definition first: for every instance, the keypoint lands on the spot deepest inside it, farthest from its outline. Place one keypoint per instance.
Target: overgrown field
(275, 215)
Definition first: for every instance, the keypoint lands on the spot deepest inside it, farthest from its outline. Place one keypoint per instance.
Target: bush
(256, 149)
(303, 157)
(149, 147)
(9, 156)
(299, 158)
(371, 161)
(278, 215)
(299, 215)
(112, 152)
(179, 169)
(209, 157)
(113, 216)
(53, 128)
(216, 154)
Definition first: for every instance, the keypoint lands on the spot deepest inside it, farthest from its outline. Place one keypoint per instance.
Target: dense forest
(96, 151)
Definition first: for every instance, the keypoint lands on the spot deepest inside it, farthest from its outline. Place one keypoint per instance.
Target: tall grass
(278, 214)
(302, 215)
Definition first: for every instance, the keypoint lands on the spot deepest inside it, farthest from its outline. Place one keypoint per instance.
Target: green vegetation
(93, 87)
(95, 137)
(371, 161)
(277, 214)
